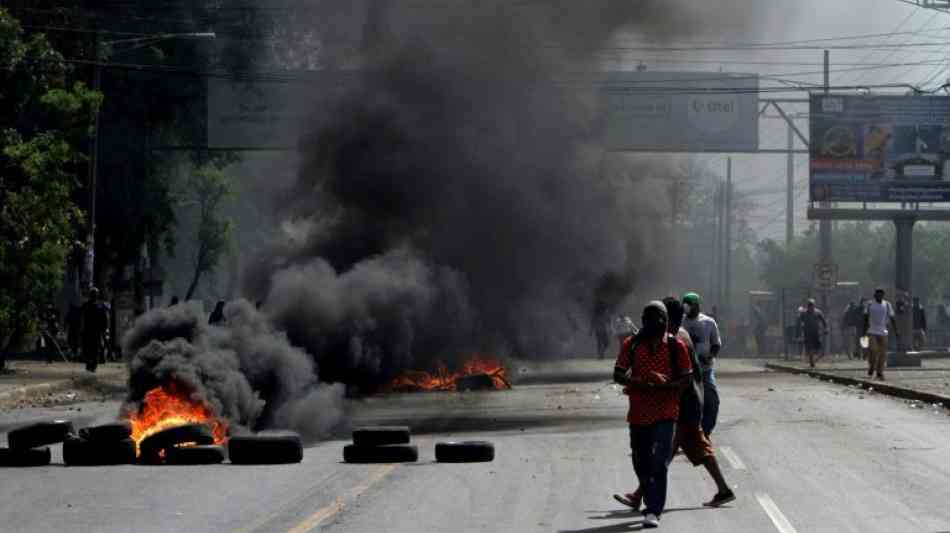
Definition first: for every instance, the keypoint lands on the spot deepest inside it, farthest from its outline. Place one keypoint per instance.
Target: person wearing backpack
(654, 367)
(689, 432)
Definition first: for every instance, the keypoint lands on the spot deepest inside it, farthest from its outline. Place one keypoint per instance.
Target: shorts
(696, 445)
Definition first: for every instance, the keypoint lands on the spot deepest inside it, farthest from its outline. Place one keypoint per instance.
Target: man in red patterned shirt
(654, 367)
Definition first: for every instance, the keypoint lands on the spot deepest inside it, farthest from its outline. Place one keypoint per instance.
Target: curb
(883, 388)
(36, 390)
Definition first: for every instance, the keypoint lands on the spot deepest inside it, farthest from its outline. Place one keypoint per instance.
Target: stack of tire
(29, 445)
(267, 448)
(108, 444)
(380, 444)
(390, 444)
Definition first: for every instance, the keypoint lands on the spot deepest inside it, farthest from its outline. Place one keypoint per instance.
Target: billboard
(680, 111)
(880, 148)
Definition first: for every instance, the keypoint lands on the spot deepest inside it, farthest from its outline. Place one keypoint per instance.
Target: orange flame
(170, 406)
(444, 380)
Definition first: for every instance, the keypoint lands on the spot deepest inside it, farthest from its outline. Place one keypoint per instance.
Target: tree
(206, 189)
(43, 122)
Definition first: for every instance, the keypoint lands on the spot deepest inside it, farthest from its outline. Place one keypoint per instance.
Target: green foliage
(42, 124)
(864, 252)
(206, 190)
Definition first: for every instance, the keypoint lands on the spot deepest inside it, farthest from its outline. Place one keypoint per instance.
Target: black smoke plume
(245, 372)
(454, 199)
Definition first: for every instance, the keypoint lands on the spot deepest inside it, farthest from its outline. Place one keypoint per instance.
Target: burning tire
(464, 452)
(475, 382)
(107, 432)
(78, 451)
(29, 457)
(392, 453)
(39, 434)
(265, 449)
(381, 435)
(153, 446)
(195, 455)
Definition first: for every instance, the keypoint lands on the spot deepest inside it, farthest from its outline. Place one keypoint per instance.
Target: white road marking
(732, 458)
(775, 514)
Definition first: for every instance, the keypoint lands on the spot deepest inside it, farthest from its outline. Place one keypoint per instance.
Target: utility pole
(824, 225)
(790, 190)
(726, 308)
(717, 248)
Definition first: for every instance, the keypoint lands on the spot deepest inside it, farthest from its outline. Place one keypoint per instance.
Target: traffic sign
(826, 276)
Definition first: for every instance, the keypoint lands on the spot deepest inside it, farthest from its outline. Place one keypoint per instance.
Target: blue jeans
(710, 401)
(652, 448)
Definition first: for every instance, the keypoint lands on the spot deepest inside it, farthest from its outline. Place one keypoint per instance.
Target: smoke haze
(453, 200)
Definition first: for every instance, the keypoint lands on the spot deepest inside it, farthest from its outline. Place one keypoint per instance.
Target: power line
(864, 46)
(887, 35)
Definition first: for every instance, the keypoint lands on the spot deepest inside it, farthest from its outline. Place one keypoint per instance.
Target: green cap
(692, 298)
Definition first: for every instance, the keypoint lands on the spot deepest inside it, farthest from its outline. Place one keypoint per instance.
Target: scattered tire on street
(20, 458)
(194, 455)
(390, 453)
(380, 435)
(464, 452)
(39, 434)
(265, 448)
(78, 451)
(152, 447)
(107, 432)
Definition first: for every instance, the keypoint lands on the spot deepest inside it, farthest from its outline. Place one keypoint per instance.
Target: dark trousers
(710, 401)
(91, 349)
(652, 451)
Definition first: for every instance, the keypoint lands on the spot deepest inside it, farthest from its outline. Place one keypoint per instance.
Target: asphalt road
(802, 455)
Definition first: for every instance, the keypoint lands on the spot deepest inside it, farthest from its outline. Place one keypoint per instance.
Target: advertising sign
(680, 111)
(880, 148)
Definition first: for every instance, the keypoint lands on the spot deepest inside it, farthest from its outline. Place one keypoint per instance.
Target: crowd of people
(667, 371)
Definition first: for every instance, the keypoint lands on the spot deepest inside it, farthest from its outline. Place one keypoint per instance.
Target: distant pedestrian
(653, 367)
(94, 324)
(599, 322)
(854, 328)
(760, 326)
(49, 331)
(217, 316)
(813, 327)
(877, 316)
(920, 325)
(704, 332)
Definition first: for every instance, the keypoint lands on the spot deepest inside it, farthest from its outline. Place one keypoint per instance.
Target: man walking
(689, 432)
(877, 316)
(704, 332)
(813, 327)
(599, 322)
(920, 325)
(759, 327)
(653, 367)
(94, 323)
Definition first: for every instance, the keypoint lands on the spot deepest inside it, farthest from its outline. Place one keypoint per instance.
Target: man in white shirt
(877, 316)
(704, 332)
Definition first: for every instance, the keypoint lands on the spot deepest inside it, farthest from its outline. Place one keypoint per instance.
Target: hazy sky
(805, 20)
